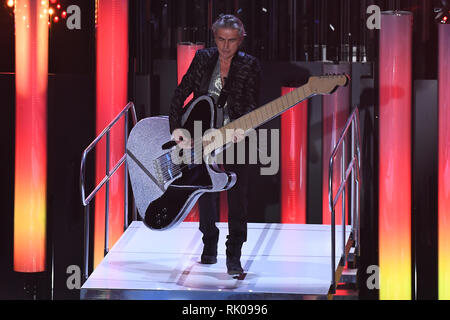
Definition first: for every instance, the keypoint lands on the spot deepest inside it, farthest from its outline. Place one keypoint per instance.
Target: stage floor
(280, 261)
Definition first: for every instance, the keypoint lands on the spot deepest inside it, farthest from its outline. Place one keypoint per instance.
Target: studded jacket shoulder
(243, 83)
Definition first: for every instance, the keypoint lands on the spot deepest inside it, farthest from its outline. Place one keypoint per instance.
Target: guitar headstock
(327, 84)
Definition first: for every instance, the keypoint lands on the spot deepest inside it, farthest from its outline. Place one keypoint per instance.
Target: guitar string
(165, 164)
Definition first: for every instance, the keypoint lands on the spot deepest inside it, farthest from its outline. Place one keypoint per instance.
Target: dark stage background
(289, 38)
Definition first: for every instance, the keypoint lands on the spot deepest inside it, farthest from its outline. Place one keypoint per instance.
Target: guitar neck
(316, 85)
(265, 113)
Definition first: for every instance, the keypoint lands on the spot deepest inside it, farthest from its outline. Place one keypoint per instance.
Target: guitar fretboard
(263, 114)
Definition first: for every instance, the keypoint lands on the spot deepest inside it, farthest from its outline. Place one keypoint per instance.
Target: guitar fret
(296, 97)
(289, 101)
(293, 101)
(292, 97)
(270, 108)
(278, 106)
(240, 124)
(234, 124)
(264, 111)
(237, 124)
(263, 116)
(284, 100)
(259, 117)
(275, 107)
(255, 120)
(305, 93)
(300, 95)
(247, 123)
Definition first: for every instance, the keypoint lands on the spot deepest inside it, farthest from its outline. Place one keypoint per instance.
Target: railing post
(86, 242)
(333, 251)
(86, 201)
(343, 199)
(357, 219)
(125, 223)
(358, 184)
(352, 208)
(354, 166)
(107, 196)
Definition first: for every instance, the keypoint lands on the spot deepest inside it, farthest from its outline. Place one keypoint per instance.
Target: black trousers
(237, 209)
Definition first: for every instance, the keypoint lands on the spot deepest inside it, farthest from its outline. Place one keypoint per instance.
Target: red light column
(30, 211)
(444, 163)
(395, 155)
(294, 143)
(112, 96)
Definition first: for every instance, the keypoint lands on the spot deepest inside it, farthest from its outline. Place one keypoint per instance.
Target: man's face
(227, 41)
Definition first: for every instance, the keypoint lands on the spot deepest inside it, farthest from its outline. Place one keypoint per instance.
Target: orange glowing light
(10, 3)
(294, 145)
(395, 156)
(112, 96)
(30, 192)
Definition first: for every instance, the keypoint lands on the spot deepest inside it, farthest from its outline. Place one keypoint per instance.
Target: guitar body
(164, 192)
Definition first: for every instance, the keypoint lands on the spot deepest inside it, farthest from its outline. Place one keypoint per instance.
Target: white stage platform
(280, 261)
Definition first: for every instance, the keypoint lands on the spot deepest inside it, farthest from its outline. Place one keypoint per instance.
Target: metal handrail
(354, 165)
(105, 181)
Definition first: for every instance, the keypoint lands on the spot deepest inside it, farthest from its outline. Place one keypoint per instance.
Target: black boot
(209, 254)
(234, 258)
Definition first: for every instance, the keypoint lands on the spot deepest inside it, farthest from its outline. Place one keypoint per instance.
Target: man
(211, 70)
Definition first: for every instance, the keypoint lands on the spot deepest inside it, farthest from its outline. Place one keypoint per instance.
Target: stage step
(281, 261)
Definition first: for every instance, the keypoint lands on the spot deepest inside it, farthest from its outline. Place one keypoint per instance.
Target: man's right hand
(182, 137)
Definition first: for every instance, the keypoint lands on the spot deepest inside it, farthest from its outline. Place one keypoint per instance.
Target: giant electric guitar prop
(165, 190)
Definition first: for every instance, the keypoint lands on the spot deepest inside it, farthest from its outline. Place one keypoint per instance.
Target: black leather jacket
(242, 83)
